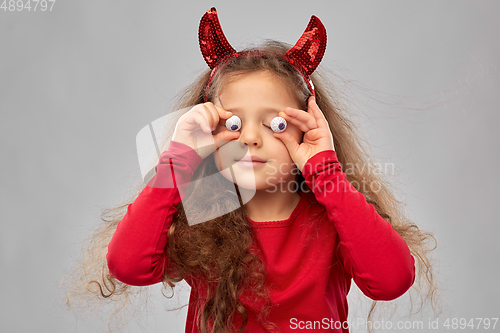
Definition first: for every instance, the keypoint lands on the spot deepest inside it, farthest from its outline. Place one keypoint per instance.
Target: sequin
(233, 123)
(278, 124)
(304, 56)
(213, 43)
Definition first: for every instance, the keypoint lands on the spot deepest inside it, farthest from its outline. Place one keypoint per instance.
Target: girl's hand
(195, 127)
(317, 135)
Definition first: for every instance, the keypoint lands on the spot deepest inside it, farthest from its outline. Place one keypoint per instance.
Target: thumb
(289, 141)
(226, 136)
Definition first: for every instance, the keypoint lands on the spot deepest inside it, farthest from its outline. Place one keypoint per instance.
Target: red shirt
(332, 236)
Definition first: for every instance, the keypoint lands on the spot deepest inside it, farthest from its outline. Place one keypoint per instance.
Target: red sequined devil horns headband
(304, 56)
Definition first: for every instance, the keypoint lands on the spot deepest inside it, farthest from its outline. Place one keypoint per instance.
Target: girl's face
(256, 98)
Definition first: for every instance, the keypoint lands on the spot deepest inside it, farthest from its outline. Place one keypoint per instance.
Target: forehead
(257, 92)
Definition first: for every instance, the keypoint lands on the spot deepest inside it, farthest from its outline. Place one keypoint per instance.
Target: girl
(280, 255)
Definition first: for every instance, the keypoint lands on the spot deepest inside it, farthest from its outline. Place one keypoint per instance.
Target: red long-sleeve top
(332, 236)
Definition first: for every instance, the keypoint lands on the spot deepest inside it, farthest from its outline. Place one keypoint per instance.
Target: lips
(252, 159)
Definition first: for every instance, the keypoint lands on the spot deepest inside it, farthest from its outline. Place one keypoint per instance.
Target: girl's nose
(250, 135)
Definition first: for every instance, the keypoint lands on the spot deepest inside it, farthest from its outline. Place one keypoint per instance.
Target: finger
(309, 109)
(222, 113)
(226, 136)
(211, 114)
(301, 119)
(316, 112)
(217, 113)
(201, 120)
(289, 141)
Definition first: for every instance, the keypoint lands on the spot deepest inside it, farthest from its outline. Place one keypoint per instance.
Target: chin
(247, 179)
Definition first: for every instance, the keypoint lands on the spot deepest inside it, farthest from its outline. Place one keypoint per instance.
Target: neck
(271, 206)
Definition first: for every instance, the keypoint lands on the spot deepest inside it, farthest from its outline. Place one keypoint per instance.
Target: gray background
(78, 83)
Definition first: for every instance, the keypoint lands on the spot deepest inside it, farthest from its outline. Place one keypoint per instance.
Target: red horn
(310, 48)
(213, 44)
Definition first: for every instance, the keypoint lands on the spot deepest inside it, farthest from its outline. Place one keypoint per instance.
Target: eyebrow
(238, 110)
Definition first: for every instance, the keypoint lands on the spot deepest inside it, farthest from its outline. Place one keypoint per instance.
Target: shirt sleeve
(136, 253)
(371, 251)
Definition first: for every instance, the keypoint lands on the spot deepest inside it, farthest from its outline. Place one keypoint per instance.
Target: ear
(213, 44)
(310, 48)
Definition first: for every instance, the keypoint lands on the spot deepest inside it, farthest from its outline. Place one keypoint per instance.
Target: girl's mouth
(251, 161)
(250, 164)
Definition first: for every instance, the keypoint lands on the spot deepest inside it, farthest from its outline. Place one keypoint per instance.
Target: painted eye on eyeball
(278, 124)
(233, 123)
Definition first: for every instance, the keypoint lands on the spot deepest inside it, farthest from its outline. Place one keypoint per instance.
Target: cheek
(299, 136)
(222, 158)
(280, 154)
(228, 154)
(219, 128)
(296, 133)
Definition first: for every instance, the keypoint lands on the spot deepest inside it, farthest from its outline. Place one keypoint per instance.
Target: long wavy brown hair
(219, 249)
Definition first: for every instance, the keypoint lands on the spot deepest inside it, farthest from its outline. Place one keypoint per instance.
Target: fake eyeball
(278, 124)
(233, 123)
